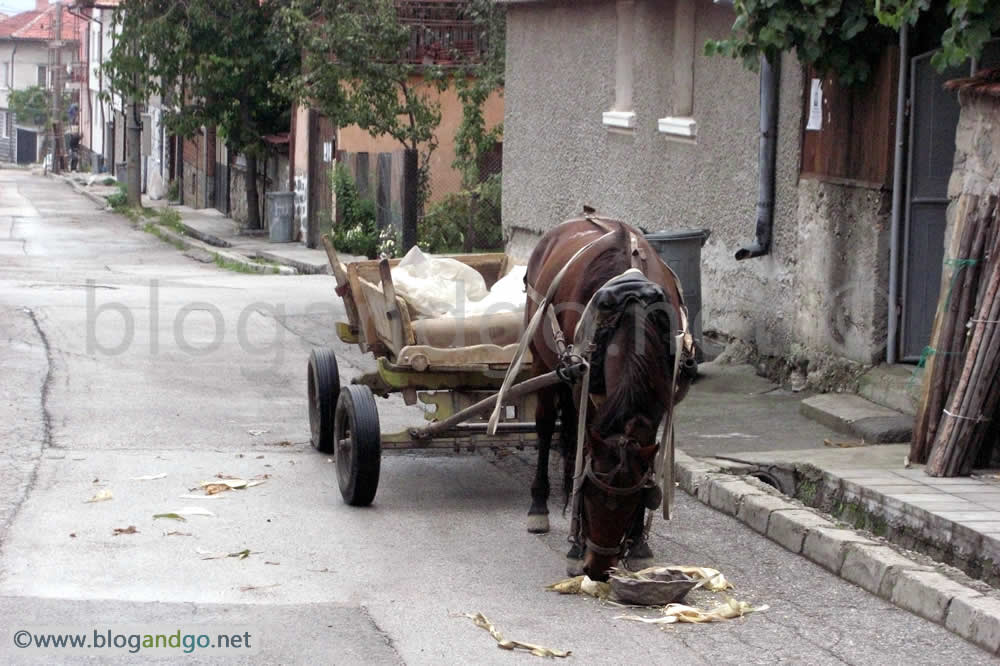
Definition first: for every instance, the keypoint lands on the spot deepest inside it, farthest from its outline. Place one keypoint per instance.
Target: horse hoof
(639, 563)
(574, 567)
(639, 556)
(538, 523)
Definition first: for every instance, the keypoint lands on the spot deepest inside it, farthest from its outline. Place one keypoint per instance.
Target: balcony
(441, 32)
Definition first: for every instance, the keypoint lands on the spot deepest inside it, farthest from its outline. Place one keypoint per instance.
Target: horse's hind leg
(545, 425)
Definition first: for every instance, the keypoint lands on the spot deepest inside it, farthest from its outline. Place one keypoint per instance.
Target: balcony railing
(442, 32)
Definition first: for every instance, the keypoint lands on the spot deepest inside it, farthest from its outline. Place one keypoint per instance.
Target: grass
(168, 218)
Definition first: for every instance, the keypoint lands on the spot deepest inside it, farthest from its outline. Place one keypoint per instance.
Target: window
(680, 123)
(42, 71)
(4, 134)
(622, 116)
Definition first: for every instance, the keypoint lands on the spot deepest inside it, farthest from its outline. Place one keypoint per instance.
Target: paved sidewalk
(214, 228)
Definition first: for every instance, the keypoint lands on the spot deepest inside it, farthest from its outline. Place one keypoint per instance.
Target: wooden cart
(453, 366)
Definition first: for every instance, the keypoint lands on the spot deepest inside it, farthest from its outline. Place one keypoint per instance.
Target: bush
(464, 221)
(119, 200)
(357, 232)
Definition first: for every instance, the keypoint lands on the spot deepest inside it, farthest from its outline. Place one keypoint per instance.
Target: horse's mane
(643, 385)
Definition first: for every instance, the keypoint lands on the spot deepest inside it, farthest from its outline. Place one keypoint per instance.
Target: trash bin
(681, 250)
(280, 215)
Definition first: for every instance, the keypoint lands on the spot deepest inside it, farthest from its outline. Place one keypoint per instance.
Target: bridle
(602, 482)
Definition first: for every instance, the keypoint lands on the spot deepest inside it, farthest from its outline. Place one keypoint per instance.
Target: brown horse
(631, 386)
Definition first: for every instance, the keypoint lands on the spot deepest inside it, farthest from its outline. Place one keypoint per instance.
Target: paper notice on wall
(327, 151)
(815, 121)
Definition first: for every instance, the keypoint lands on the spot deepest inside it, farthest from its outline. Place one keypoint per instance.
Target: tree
(845, 36)
(33, 106)
(475, 82)
(217, 60)
(355, 71)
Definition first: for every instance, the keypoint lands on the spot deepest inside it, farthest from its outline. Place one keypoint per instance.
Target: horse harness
(591, 335)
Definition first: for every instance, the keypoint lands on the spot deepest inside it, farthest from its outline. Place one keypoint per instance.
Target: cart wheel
(324, 389)
(359, 445)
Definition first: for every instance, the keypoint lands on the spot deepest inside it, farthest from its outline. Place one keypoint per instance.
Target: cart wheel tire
(359, 445)
(324, 391)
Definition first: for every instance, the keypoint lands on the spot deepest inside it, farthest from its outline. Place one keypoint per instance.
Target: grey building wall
(558, 155)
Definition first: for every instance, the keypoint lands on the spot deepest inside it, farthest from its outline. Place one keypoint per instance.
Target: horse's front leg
(639, 554)
(567, 437)
(545, 425)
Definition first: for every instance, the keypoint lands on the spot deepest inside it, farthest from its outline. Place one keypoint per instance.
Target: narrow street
(122, 358)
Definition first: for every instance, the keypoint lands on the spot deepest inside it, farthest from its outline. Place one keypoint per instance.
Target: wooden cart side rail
(343, 283)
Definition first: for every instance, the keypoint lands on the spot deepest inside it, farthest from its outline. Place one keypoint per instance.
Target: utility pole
(56, 72)
(133, 146)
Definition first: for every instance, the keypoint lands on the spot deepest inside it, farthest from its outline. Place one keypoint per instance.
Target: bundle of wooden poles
(961, 388)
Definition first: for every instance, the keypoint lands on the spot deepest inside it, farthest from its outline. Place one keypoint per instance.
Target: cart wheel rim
(343, 444)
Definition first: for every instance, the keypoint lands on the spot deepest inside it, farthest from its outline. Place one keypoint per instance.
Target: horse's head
(618, 485)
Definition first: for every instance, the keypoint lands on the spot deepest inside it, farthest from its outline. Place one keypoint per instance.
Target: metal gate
(27, 146)
(934, 115)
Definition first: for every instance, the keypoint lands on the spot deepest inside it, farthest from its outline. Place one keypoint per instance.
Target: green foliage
(357, 232)
(109, 181)
(213, 61)
(173, 191)
(119, 200)
(354, 73)
(466, 220)
(170, 218)
(840, 36)
(972, 24)
(846, 36)
(33, 106)
(474, 85)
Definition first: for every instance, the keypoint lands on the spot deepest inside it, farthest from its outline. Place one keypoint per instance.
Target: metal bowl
(656, 588)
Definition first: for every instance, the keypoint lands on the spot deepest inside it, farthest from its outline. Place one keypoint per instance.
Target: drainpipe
(892, 344)
(770, 82)
(90, 59)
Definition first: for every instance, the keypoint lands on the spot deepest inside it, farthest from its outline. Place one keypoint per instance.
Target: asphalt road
(120, 357)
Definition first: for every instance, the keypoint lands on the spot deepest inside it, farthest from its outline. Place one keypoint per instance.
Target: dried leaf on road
(200, 497)
(101, 496)
(171, 516)
(209, 555)
(215, 488)
(149, 477)
(275, 563)
(125, 530)
(582, 585)
(176, 533)
(680, 613)
(538, 650)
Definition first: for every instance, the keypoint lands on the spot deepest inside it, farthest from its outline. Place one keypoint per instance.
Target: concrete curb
(96, 198)
(187, 242)
(302, 267)
(869, 564)
(211, 239)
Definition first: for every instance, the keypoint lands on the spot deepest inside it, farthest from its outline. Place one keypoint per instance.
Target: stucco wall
(444, 178)
(558, 155)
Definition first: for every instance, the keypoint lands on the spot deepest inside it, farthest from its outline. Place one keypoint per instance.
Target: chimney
(41, 5)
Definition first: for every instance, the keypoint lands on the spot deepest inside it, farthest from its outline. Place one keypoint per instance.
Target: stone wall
(821, 292)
